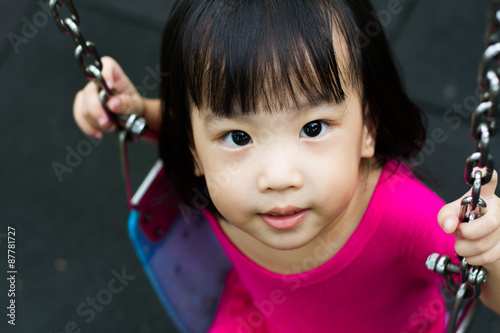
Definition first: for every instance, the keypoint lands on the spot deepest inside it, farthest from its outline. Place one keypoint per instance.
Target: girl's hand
(88, 111)
(479, 240)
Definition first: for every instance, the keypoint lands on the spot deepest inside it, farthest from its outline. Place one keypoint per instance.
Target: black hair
(232, 55)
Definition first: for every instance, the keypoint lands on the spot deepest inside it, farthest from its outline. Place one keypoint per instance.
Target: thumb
(126, 104)
(448, 216)
(116, 78)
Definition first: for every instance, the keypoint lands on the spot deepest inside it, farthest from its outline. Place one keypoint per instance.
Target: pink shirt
(377, 282)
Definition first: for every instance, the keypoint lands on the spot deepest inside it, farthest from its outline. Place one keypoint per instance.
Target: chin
(286, 243)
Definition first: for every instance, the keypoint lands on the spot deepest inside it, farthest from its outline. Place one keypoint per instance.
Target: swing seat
(180, 254)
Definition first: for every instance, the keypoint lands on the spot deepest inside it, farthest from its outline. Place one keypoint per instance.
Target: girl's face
(288, 177)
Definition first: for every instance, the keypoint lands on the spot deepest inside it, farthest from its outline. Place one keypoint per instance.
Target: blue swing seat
(179, 253)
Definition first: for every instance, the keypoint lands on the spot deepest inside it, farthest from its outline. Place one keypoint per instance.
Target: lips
(284, 218)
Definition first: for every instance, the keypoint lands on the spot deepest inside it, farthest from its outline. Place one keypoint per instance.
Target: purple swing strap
(180, 254)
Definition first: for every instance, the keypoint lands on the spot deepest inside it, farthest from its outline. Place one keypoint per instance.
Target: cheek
(216, 183)
(224, 185)
(339, 186)
(229, 176)
(229, 200)
(335, 175)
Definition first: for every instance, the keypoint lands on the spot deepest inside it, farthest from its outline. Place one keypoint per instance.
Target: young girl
(295, 123)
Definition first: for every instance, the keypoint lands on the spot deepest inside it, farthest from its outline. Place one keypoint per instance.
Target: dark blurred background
(71, 237)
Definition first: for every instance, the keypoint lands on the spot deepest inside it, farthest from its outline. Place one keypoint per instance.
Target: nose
(280, 171)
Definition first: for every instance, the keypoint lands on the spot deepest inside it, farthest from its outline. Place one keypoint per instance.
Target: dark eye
(313, 129)
(237, 138)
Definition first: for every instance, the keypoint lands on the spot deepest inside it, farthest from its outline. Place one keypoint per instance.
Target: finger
(489, 222)
(126, 104)
(469, 248)
(103, 123)
(107, 70)
(484, 225)
(78, 113)
(448, 216)
(485, 258)
(90, 109)
(106, 125)
(93, 110)
(115, 76)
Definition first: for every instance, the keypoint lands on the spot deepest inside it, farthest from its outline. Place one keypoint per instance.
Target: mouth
(284, 218)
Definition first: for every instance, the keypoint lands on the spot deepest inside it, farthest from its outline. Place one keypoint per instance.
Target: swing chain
(90, 62)
(479, 169)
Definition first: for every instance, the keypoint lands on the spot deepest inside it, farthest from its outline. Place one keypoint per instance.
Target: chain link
(484, 118)
(479, 168)
(130, 126)
(62, 23)
(90, 62)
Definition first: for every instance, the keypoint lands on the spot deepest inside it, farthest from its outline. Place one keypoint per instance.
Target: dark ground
(71, 232)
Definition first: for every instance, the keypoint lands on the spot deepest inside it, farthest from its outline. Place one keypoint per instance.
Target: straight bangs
(244, 56)
(234, 57)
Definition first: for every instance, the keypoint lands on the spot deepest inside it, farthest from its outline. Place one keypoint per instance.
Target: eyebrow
(212, 117)
(308, 106)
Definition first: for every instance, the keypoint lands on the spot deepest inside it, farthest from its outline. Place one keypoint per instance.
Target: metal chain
(130, 127)
(90, 62)
(478, 172)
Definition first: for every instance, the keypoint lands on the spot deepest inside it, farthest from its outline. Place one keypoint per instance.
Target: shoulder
(407, 194)
(411, 208)
(400, 201)
(410, 213)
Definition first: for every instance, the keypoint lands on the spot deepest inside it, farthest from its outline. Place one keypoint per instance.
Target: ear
(198, 167)
(368, 143)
